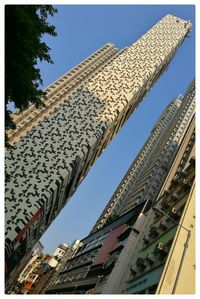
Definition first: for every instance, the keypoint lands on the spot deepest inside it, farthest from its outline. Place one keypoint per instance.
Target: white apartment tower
(53, 148)
(148, 171)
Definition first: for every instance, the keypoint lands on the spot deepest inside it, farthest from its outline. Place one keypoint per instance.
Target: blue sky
(82, 29)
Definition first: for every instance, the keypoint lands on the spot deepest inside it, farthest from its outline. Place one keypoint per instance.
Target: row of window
(87, 257)
(74, 70)
(36, 112)
(148, 147)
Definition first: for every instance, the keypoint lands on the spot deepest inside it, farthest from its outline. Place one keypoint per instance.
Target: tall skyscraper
(148, 171)
(162, 261)
(54, 148)
(164, 254)
(127, 251)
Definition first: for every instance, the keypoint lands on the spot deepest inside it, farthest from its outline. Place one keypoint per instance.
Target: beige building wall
(178, 276)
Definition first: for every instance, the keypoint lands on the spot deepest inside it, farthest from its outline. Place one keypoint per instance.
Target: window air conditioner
(160, 246)
(174, 210)
(175, 214)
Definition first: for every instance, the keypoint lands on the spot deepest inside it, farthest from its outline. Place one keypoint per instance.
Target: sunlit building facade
(54, 148)
(147, 244)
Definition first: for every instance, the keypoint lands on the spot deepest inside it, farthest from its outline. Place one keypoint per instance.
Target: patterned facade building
(54, 148)
(128, 252)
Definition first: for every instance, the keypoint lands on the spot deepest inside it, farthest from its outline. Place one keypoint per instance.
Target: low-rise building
(98, 253)
(62, 254)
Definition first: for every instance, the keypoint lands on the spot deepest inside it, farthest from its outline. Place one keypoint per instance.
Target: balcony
(73, 286)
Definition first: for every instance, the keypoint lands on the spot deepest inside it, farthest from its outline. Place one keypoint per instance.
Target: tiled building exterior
(55, 147)
(127, 254)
